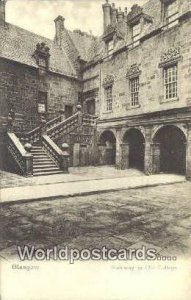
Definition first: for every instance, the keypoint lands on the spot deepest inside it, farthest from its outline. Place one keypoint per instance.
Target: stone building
(134, 79)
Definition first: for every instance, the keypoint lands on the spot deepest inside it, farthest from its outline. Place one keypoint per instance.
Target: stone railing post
(80, 115)
(62, 113)
(28, 160)
(65, 158)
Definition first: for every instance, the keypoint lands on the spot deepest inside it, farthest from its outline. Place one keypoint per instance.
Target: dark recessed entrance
(107, 148)
(135, 139)
(172, 143)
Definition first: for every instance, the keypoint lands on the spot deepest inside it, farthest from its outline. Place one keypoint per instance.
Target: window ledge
(169, 100)
(133, 107)
(108, 112)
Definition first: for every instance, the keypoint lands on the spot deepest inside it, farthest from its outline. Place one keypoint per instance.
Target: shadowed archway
(107, 148)
(172, 149)
(135, 140)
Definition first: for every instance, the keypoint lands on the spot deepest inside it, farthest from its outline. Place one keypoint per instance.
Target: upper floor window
(110, 47)
(170, 82)
(171, 13)
(134, 91)
(136, 32)
(108, 98)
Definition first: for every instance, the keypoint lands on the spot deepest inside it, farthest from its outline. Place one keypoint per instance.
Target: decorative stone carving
(108, 80)
(42, 55)
(133, 71)
(136, 11)
(171, 55)
(136, 14)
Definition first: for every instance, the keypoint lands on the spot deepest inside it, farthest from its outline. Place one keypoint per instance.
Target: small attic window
(136, 32)
(110, 46)
(171, 13)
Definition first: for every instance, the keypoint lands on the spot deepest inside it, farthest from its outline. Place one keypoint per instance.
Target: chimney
(114, 15)
(2, 12)
(120, 15)
(59, 25)
(106, 15)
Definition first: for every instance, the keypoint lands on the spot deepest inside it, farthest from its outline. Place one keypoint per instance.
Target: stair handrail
(54, 152)
(34, 135)
(64, 127)
(23, 159)
(51, 123)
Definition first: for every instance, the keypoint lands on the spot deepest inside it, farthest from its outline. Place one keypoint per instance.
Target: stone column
(188, 154)
(148, 152)
(155, 158)
(76, 155)
(118, 149)
(124, 156)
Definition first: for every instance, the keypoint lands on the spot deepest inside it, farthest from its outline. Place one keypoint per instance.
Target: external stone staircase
(36, 153)
(43, 164)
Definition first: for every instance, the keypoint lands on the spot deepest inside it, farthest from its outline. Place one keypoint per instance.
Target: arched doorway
(172, 147)
(107, 148)
(136, 142)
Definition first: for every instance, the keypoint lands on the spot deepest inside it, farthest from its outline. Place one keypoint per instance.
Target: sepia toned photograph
(95, 149)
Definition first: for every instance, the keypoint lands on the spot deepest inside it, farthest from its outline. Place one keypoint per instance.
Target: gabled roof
(84, 43)
(18, 45)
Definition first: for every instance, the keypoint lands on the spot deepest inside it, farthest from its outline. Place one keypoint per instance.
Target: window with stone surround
(108, 98)
(136, 32)
(171, 13)
(134, 91)
(110, 47)
(170, 82)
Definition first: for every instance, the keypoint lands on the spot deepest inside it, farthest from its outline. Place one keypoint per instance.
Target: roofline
(36, 68)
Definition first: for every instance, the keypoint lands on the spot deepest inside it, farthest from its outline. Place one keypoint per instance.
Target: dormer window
(171, 13)
(110, 47)
(136, 32)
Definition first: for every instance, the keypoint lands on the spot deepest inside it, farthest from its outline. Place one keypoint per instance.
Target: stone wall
(20, 86)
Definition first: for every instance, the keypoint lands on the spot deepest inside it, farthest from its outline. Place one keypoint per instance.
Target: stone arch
(171, 141)
(182, 127)
(134, 139)
(107, 147)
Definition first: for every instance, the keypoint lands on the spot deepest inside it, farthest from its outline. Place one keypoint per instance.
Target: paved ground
(160, 216)
(75, 174)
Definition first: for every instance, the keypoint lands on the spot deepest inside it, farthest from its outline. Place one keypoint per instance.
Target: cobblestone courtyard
(159, 216)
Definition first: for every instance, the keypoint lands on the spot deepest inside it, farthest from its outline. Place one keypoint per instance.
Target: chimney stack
(120, 15)
(106, 14)
(59, 25)
(2, 12)
(114, 15)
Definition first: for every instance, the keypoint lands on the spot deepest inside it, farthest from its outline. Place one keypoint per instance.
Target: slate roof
(18, 44)
(84, 43)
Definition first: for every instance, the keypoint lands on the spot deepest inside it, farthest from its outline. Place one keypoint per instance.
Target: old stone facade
(134, 78)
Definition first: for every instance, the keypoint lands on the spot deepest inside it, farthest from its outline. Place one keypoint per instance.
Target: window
(172, 14)
(136, 31)
(42, 102)
(108, 97)
(110, 46)
(134, 90)
(170, 82)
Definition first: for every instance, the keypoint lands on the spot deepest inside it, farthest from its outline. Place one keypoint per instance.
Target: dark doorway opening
(172, 143)
(68, 111)
(90, 107)
(135, 139)
(107, 148)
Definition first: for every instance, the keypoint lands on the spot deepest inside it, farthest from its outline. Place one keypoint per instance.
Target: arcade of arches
(168, 150)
